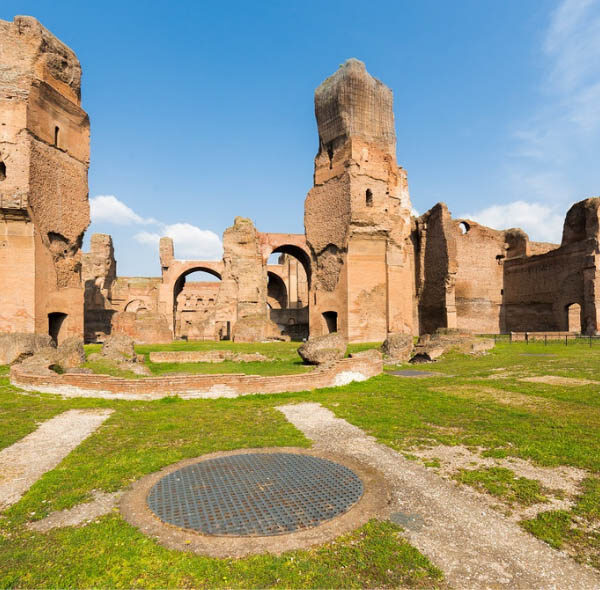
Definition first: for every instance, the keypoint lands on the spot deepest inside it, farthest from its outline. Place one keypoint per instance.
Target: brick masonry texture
(365, 267)
(195, 386)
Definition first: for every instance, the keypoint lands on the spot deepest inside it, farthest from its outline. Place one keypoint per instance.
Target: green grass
(266, 368)
(503, 417)
(283, 359)
(575, 530)
(504, 484)
(112, 554)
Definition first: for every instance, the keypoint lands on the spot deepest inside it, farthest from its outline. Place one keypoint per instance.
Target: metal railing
(547, 339)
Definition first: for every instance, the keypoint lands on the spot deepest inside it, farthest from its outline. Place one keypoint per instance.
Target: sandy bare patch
(42, 450)
(556, 380)
(501, 396)
(564, 479)
(475, 547)
(102, 504)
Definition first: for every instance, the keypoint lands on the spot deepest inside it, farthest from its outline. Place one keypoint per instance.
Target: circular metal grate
(255, 494)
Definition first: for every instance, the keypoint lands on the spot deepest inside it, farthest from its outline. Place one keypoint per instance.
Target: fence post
(545, 339)
(566, 340)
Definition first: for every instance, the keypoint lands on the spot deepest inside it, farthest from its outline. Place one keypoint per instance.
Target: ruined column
(357, 215)
(241, 307)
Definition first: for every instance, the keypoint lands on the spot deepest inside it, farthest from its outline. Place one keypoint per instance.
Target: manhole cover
(255, 494)
(411, 373)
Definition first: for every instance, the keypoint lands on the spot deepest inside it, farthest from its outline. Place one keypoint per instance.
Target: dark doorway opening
(330, 318)
(55, 323)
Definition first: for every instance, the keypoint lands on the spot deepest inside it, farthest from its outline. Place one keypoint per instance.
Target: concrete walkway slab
(23, 463)
(474, 546)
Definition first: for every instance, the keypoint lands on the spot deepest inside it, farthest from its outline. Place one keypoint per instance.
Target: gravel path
(23, 463)
(474, 546)
(103, 503)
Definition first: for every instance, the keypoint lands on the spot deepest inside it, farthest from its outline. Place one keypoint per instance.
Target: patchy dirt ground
(560, 484)
(556, 380)
(475, 547)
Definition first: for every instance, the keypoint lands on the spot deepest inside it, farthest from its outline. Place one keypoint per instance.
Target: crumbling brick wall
(44, 158)
(357, 215)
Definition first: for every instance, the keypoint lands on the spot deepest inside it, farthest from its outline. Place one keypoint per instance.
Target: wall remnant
(364, 268)
(44, 158)
(357, 215)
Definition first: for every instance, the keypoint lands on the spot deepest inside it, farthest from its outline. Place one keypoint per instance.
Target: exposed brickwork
(364, 268)
(226, 385)
(44, 209)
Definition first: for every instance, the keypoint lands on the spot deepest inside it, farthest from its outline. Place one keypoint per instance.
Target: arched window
(464, 227)
(2, 170)
(369, 198)
(56, 132)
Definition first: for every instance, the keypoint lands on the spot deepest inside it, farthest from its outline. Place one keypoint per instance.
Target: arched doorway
(277, 293)
(288, 272)
(574, 318)
(195, 295)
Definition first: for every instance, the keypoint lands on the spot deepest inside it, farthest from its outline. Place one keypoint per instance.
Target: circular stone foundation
(255, 494)
(238, 503)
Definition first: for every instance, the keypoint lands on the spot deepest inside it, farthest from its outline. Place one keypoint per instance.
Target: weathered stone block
(70, 353)
(118, 347)
(16, 347)
(256, 328)
(398, 346)
(323, 349)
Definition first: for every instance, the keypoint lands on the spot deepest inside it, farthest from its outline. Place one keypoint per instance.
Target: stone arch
(277, 293)
(293, 244)
(179, 283)
(299, 253)
(136, 305)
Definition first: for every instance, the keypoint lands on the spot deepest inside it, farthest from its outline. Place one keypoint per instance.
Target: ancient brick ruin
(44, 158)
(364, 268)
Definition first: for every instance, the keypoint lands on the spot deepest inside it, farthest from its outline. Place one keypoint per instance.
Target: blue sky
(201, 111)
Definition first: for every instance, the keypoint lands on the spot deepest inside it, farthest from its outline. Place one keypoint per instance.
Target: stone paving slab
(474, 546)
(24, 462)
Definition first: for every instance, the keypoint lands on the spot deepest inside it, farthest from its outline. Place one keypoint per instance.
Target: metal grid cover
(255, 494)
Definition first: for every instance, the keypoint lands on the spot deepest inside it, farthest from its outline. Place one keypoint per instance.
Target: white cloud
(190, 242)
(542, 222)
(108, 209)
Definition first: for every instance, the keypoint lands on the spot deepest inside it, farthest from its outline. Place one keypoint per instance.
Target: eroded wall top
(351, 103)
(30, 51)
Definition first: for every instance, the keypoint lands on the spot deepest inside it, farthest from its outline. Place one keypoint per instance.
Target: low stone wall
(195, 386)
(525, 336)
(206, 356)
